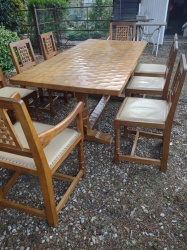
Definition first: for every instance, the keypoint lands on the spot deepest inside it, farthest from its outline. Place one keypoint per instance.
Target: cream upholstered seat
(150, 70)
(29, 96)
(153, 85)
(8, 91)
(39, 149)
(58, 146)
(148, 115)
(142, 83)
(157, 70)
(143, 110)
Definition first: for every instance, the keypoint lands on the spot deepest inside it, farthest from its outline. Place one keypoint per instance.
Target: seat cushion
(146, 83)
(8, 91)
(53, 151)
(144, 68)
(143, 110)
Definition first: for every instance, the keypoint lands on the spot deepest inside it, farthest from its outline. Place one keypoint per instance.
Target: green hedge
(6, 37)
(81, 36)
(13, 15)
(46, 3)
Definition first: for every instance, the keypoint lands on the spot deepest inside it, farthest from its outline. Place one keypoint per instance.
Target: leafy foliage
(100, 13)
(12, 14)
(84, 35)
(46, 3)
(6, 37)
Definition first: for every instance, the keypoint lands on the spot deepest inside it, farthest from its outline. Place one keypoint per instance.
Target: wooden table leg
(90, 134)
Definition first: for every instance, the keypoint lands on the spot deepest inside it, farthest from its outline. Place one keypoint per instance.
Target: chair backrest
(2, 79)
(124, 31)
(169, 60)
(48, 45)
(176, 87)
(173, 55)
(22, 55)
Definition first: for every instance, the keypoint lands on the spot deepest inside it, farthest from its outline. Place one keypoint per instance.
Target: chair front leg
(165, 150)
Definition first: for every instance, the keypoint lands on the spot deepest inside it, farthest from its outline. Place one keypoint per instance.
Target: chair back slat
(22, 55)
(10, 140)
(176, 87)
(124, 31)
(48, 45)
(2, 79)
(172, 49)
(173, 55)
(8, 136)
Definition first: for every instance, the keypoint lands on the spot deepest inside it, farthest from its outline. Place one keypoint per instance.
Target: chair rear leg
(51, 102)
(117, 144)
(41, 94)
(36, 106)
(165, 151)
(126, 132)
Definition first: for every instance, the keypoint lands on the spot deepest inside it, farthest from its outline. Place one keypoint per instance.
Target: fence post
(37, 28)
(56, 25)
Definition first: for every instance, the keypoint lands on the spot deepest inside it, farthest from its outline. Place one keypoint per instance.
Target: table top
(150, 24)
(92, 67)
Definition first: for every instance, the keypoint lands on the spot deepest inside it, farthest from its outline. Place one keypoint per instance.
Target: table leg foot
(97, 136)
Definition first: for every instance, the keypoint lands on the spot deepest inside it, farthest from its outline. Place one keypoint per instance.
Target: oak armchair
(38, 149)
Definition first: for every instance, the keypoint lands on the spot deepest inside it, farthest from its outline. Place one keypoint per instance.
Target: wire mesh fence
(69, 25)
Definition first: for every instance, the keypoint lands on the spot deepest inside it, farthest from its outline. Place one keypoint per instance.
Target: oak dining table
(96, 67)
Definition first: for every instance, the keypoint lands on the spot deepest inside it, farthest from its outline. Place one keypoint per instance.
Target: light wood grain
(92, 67)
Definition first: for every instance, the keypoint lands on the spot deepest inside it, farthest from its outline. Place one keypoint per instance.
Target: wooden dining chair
(29, 96)
(124, 31)
(24, 58)
(156, 70)
(150, 117)
(48, 45)
(49, 50)
(38, 149)
(153, 85)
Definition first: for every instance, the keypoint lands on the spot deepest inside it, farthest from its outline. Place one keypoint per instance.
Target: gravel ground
(125, 206)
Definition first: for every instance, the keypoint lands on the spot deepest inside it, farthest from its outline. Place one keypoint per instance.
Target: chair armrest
(47, 136)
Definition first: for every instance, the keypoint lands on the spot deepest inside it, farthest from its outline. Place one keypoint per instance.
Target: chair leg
(41, 94)
(126, 132)
(49, 200)
(52, 108)
(66, 97)
(35, 101)
(82, 165)
(117, 145)
(165, 150)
